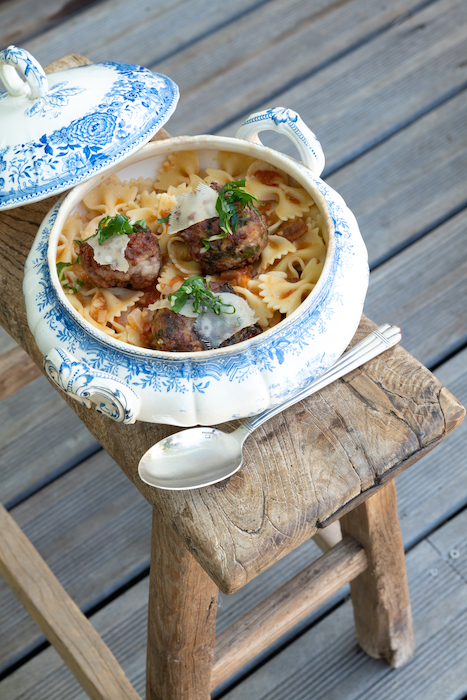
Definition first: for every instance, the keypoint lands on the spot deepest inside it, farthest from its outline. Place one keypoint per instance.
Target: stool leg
(380, 596)
(182, 621)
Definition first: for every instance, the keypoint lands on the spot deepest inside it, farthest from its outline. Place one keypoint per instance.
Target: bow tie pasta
(260, 253)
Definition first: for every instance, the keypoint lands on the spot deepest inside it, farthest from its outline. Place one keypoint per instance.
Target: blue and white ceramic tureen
(59, 130)
(129, 383)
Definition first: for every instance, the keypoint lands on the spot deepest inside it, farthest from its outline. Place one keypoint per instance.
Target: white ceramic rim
(175, 144)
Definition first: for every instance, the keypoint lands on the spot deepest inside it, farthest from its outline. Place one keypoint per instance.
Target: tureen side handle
(287, 122)
(13, 59)
(92, 387)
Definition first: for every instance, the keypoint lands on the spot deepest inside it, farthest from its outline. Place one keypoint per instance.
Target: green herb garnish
(194, 287)
(73, 288)
(61, 269)
(61, 276)
(164, 220)
(119, 224)
(229, 196)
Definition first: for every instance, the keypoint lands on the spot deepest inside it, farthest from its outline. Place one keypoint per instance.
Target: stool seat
(311, 464)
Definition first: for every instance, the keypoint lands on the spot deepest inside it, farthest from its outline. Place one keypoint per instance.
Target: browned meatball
(144, 258)
(236, 250)
(173, 332)
(244, 334)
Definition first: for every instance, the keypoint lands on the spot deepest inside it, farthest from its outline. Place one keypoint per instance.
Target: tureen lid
(60, 129)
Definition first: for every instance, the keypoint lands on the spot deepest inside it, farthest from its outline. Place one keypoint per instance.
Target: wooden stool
(333, 456)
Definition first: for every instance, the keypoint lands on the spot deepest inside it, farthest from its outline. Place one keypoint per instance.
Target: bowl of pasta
(202, 280)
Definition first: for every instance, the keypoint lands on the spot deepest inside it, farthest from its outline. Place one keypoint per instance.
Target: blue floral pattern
(58, 96)
(291, 343)
(136, 106)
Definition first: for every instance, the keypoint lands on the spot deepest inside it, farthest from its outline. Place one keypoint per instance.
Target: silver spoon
(202, 456)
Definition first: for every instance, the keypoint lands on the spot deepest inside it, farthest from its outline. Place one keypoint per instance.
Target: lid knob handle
(14, 59)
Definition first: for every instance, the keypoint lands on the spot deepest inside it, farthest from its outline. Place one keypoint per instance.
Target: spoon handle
(372, 345)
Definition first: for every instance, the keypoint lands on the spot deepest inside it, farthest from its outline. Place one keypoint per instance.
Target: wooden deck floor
(384, 86)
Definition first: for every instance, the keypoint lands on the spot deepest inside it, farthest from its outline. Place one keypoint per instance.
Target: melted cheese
(192, 208)
(111, 252)
(214, 328)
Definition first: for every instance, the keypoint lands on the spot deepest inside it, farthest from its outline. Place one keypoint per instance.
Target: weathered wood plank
(324, 663)
(451, 542)
(427, 495)
(423, 290)
(93, 530)
(436, 487)
(411, 183)
(284, 608)
(355, 102)
(41, 438)
(229, 66)
(20, 19)
(16, 370)
(136, 32)
(64, 625)
(380, 597)
(181, 620)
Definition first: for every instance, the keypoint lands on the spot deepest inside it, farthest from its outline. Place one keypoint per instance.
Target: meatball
(231, 252)
(244, 334)
(144, 258)
(174, 332)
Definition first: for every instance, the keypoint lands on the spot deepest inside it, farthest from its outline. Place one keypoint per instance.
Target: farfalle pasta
(273, 286)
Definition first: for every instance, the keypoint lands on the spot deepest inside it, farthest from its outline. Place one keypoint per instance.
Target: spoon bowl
(203, 456)
(191, 459)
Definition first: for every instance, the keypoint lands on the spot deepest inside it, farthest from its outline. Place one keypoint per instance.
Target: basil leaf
(61, 269)
(141, 223)
(164, 220)
(110, 225)
(195, 288)
(229, 196)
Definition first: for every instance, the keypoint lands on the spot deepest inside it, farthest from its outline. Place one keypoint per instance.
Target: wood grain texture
(286, 607)
(380, 595)
(233, 69)
(323, 663)
(428, 307)
(326, 662)
(454, 412)
(41, 438)
(136, 32)
(181, 621)
(20, 19)
(441, 474)
(383, 83)
(74, 637)
(347, 103)
(16, 370)
(93, 529)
